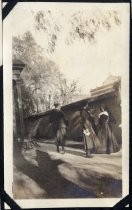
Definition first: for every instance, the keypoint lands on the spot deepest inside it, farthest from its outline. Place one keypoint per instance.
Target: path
(44, 173)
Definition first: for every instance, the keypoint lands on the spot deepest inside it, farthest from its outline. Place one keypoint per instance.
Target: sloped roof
(97, 94)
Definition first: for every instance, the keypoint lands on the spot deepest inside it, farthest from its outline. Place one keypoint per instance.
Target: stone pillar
(18, 123)
(20, 109)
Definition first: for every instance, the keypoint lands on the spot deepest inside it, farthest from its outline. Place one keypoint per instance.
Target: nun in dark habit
(91, 142)
(105, 133)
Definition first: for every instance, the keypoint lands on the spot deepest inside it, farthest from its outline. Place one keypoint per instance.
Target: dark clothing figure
(106, 136)
(91, 142)
(59, 125)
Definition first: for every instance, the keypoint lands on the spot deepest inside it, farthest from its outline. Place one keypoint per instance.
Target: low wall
(38, 125)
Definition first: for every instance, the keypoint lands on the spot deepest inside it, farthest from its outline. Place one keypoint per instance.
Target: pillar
(18, 123)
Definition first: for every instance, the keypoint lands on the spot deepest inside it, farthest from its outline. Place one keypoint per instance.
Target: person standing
(105, 133)
(91, 142)
(59, 124)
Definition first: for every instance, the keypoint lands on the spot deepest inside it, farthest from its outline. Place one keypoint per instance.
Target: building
(109, 85)
(108, 94)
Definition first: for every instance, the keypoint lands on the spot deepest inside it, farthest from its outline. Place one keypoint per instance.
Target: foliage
(43, 84)
(81, 25)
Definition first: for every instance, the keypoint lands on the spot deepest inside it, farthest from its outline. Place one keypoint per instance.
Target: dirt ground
(44, 173)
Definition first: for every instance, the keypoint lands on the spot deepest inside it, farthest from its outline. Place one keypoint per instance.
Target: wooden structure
(18, 123)
(108, 94)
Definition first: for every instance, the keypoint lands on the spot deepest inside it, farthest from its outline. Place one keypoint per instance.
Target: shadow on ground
(103, 186)
(71, 145)
(76, 146)
(48, 177)
(76, 153)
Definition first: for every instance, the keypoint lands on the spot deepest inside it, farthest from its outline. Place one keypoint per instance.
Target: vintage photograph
(70, 71)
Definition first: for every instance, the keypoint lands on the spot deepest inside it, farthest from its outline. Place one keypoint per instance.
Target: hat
(88, 106)
(56, 104)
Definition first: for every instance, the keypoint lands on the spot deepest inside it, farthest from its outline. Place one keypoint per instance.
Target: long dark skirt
(91, 142)
(107, 140)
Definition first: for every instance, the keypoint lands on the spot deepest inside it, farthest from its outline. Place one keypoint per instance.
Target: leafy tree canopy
(43, 84)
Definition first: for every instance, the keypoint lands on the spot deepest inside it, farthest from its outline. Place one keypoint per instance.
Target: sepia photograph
(66, 103)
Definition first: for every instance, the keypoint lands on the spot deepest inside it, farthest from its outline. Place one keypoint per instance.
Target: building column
(20, 109)
(18, 122)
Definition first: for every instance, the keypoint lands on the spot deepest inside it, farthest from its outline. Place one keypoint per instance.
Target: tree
(26, 49)
(81, 25)
(43, 83)
(67, 90)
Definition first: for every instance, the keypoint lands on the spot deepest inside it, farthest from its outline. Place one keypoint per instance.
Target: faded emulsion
(67, 103)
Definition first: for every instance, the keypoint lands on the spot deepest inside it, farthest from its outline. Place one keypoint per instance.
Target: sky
(87, 63)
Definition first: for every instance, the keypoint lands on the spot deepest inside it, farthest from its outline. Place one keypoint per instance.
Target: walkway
(44, 173)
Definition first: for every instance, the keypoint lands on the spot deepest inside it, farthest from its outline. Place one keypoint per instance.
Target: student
(91, 142)
(105, 133)
(59, 125)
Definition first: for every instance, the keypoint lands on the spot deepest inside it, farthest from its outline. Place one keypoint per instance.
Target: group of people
(97, 138)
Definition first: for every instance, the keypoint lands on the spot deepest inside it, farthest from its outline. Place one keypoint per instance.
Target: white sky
(88, 63)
